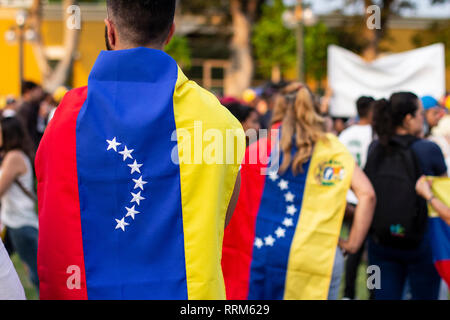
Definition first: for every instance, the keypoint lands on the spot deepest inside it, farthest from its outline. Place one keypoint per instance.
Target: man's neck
(364, 122)
(125, 46)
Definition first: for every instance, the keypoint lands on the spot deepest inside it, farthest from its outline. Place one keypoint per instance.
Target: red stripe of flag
(60, 252)
(240, 234)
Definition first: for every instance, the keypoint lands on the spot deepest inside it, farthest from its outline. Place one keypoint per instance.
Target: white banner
(421, 71)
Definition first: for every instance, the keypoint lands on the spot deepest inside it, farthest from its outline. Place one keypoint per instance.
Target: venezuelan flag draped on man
(440, 231)
(121, 205)
(282, 239)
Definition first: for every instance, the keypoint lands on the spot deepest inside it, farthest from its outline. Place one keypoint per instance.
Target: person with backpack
(399, 241)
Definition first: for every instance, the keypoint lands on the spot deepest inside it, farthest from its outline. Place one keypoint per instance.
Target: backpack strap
(405, 143)
(27, 193)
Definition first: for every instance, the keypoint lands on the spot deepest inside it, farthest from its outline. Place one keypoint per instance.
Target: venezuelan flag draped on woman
(440, 231)
(128, 208)
(282, 240)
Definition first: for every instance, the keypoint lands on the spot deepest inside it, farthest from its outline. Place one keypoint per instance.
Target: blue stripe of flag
(130, 98)
(269, 263)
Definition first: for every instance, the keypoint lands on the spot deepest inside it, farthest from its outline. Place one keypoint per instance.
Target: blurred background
(227, 46)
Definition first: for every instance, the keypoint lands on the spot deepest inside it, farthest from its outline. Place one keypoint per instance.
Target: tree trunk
(374, 36)
(38, 44)
(52, 79)
(240, 73)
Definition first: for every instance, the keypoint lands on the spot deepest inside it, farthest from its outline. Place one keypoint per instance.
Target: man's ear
(171, 33)
(111, 33)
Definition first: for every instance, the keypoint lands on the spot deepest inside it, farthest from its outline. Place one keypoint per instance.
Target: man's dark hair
(28, 86)
(364, 105)
(142, 22)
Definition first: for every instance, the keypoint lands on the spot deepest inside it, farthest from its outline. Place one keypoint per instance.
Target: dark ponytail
(15, 137)
(389, 115)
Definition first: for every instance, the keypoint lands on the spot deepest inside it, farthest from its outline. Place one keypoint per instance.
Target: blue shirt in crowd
(430, 157)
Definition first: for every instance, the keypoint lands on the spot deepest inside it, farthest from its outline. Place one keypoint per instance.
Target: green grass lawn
(362, 293)
(361, 289)
(30, 291)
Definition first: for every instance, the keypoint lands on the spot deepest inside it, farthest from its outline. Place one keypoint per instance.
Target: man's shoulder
(72, 102)
(76, 95)
(193, 102)
(68, 110)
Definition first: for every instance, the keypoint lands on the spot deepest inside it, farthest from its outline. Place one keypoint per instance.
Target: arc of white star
(126, 153)
(269, 241)
(273, 176)
(137, 198)
(121, 224)
(281, 233)
(139, 183)
(113, 144)
(291, 210)
(289, 197)
(288, 222)
(135, 167)
(284, 185)
(259, 243)
(132, 212)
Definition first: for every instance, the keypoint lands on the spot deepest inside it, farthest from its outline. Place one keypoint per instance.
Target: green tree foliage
(274, 44)
(179, 49)
(437, 33)
(317, 40)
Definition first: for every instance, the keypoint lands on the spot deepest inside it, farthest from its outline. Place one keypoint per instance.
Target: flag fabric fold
(440, 231)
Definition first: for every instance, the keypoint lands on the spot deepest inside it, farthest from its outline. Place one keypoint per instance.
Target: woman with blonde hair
(284, 100)
(282, 240)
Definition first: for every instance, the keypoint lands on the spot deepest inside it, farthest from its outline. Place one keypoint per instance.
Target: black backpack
(400, 218)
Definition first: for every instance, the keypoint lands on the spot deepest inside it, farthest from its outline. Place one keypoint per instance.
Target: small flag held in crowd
(440, 231)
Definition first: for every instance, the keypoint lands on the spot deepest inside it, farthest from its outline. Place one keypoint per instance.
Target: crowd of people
(417, 124)
(402, 123)
(23, 122)
(283, 228)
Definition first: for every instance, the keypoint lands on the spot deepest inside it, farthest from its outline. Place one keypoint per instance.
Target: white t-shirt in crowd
(444, 144)
(10, 286)
(17, 209)
(357, 139)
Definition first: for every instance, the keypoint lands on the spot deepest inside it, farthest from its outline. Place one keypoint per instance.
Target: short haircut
(28, 86)
(142, 22)
(364, 105)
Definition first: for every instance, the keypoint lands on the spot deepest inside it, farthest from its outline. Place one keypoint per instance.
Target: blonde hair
(284, 100)
(303, 125)
(443, 128)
